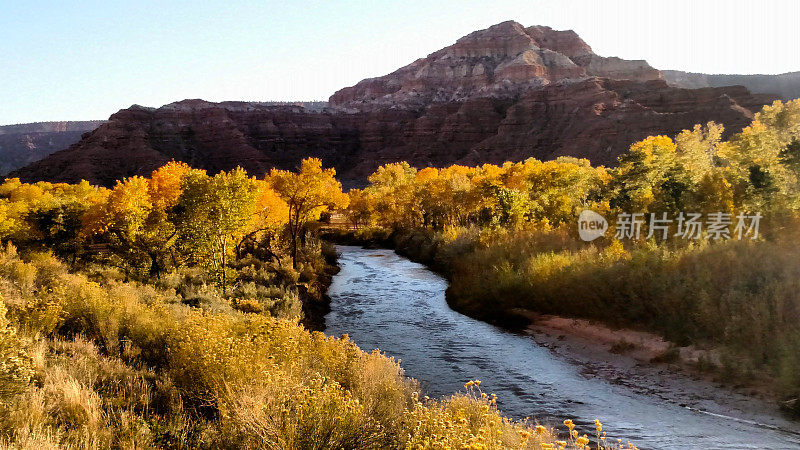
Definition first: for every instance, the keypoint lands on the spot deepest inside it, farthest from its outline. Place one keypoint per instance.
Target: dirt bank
(647, 364)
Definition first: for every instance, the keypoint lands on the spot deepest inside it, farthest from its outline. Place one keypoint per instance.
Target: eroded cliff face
(23, 144)
(786, 85)
(502, 94)
(500, 61)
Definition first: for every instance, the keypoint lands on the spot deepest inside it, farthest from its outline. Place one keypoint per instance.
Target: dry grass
(740, 297)
(124, 365)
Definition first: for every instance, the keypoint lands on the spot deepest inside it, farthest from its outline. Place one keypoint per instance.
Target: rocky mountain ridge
(501, 61)
(504, 93)
(786, 85)
(22, 144)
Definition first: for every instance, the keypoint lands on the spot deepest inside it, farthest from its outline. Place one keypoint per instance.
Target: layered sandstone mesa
(211, 136)
(22, 144)
(502, 60)
(505, 93)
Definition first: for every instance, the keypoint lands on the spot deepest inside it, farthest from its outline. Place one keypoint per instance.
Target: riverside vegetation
(163, 313)
(506, 237)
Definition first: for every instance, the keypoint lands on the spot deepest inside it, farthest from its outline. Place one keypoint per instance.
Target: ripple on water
(385, 301)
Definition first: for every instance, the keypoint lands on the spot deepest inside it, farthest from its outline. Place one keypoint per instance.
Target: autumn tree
(160, 234)
(308, 193)
(650, 176)
(450, 198)
(393, 192)
(758, 157)
(8, 223)
(136, 221)
(509, 207)
(559, 189)
(698, 149)
(121, 221)
(270, 215)
(360, 210)
(46, 213)
(213, 215)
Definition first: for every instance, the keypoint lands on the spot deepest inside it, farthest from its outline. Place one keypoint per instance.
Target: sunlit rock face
(505, 93)
(502, 60)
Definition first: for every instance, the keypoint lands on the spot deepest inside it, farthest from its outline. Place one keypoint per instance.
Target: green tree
(213, 214)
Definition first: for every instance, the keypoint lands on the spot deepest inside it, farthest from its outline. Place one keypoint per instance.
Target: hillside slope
(786, 85)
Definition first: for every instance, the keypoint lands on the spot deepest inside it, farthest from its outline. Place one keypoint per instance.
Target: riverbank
(684, 375)
(382, 300)
(647, 364)
(314, 293)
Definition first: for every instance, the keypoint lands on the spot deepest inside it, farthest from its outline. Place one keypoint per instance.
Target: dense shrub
(129, 365)
(739, 297)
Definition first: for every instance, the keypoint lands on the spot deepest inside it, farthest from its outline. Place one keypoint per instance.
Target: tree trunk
(155, 270)
(224, 272)
(294, 250)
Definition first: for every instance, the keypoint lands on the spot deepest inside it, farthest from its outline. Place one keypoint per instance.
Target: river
(385, 301)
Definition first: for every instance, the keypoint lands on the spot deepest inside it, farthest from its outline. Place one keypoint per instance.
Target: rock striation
(22, 144)
(786, 85)
(500, 61)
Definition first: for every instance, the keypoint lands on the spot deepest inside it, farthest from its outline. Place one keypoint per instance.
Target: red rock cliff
(504, 93)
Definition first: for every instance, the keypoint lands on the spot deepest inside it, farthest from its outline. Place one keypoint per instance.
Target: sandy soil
(626, 357)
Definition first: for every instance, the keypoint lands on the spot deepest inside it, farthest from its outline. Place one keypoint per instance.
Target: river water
(385, 301)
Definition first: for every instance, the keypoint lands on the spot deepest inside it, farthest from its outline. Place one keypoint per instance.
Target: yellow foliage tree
(308, 193)
(215, 213)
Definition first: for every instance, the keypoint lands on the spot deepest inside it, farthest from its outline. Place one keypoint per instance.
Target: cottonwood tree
(308, 193)
(136, 218)
(650, 176)
(394, 196)
(757, 157)
(120, 220)
(698, 149)
(559, 189)
(270, 215)
(160, 234)
(449, 198)
(213, 215)
(360, 211)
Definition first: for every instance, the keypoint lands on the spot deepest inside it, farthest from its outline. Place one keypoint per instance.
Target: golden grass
(126, 365)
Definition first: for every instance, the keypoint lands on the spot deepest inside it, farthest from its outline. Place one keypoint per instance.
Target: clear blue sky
(72, 60)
